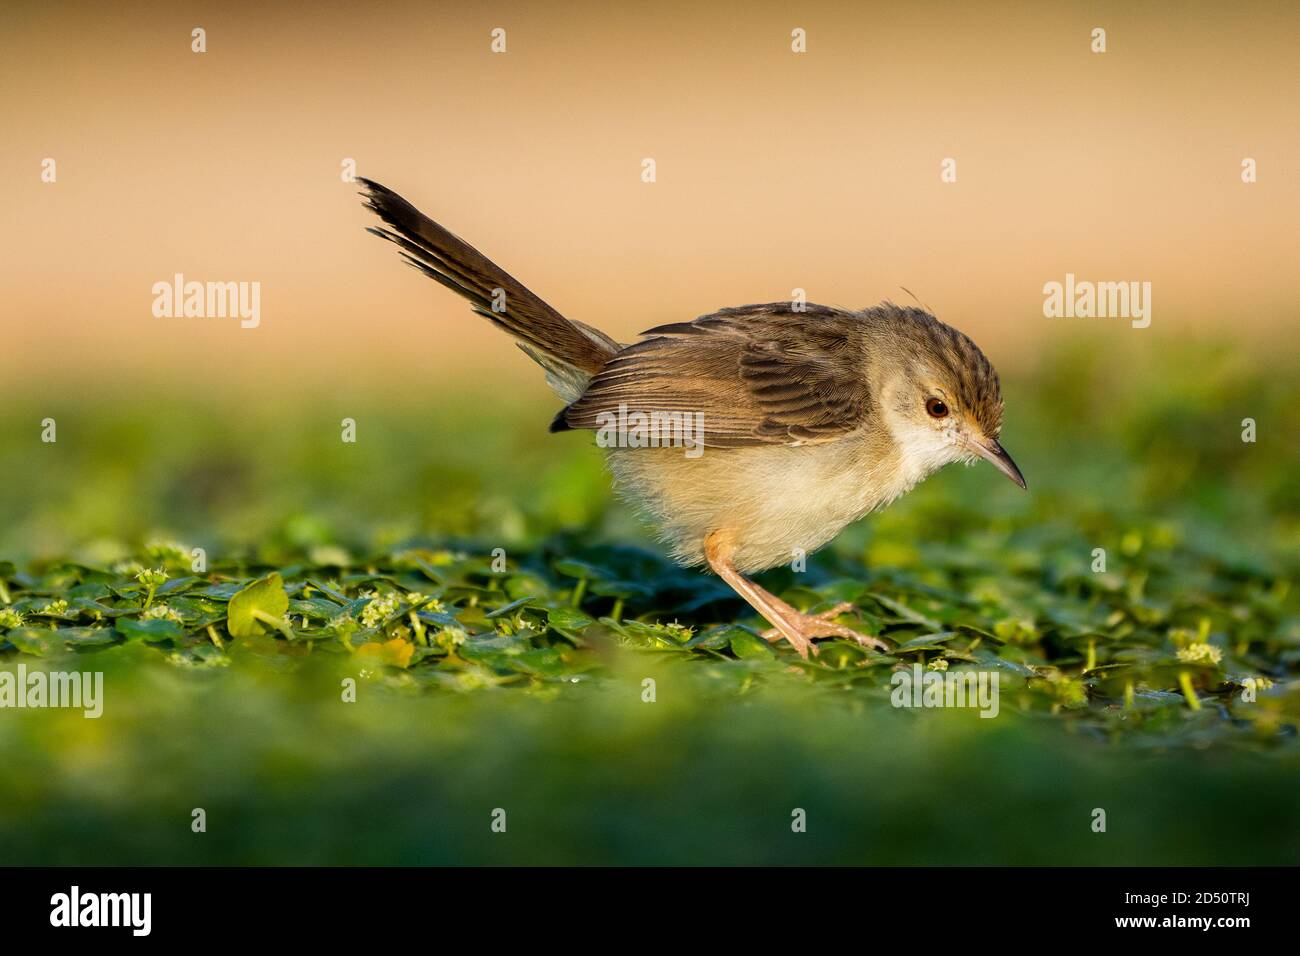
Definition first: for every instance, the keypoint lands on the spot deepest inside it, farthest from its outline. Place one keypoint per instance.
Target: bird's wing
(759, 375)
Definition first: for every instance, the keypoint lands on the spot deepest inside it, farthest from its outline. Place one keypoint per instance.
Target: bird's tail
(570, 352)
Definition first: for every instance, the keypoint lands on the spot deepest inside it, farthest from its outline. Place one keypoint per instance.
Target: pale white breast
(779, 500)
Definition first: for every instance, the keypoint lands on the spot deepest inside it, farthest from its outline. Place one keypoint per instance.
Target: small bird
(786, 421)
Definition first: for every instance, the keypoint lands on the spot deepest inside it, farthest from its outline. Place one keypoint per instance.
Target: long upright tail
(570, 352)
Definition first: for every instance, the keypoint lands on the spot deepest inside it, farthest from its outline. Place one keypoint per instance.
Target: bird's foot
(801, 629)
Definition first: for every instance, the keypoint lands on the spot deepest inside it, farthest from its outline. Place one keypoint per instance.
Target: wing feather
(759, 374)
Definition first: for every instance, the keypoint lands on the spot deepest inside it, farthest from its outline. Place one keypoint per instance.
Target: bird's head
(941, 399)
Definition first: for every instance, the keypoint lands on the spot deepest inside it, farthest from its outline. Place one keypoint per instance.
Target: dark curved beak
(995, 453)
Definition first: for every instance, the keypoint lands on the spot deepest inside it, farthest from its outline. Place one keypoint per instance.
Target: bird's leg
(718, 551)
(795, 626)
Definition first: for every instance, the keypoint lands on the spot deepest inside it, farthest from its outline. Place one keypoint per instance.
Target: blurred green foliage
(524, 687)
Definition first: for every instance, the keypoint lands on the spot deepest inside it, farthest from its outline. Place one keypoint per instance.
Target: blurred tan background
(775, 171)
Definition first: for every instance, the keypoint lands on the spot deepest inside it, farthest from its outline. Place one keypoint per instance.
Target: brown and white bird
(808, 418)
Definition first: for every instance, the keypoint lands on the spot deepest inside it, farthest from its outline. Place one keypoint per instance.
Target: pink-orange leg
(795, 626)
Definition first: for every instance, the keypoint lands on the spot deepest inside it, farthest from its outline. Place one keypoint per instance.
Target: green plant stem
(279, 624)
(1185, 682)
(418, 628)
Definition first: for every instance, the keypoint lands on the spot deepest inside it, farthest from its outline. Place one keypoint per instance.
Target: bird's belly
(779, 502)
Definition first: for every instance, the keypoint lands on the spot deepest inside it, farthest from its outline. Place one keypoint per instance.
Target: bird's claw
(807, 627)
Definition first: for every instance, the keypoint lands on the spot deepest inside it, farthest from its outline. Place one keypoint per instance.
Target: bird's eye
(936, 408)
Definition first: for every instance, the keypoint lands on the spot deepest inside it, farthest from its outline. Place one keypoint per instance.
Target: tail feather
(570, 352)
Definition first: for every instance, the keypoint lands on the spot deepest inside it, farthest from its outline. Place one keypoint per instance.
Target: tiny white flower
(379, 610)
(1199, 652)
(151, 576)
(162, 612)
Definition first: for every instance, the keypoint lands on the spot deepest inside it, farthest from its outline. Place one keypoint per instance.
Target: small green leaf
(509, 608)
(250, 609)
(928, 642)
(568, 618)
(750, 648)
(88, 636)
(38, 641)
(905, 612)
(156, 630)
